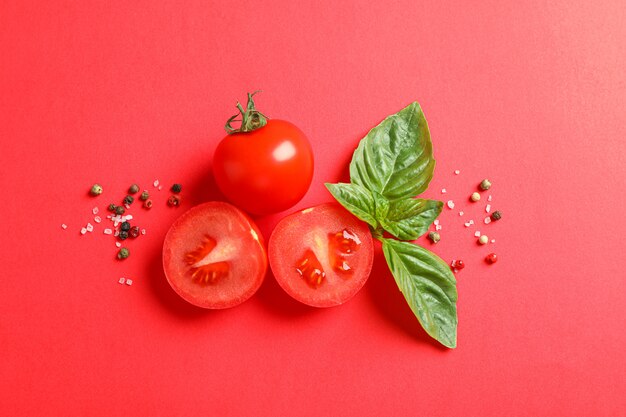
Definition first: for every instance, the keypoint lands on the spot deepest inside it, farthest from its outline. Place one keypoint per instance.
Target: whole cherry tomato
(265, 166)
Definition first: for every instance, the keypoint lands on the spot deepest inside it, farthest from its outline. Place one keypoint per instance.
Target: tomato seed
(310, 269)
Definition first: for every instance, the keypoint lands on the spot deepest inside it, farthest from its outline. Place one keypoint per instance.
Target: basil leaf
(382, 206)
(410, 218)
(356, 199)
(428, 286)
(395, 158)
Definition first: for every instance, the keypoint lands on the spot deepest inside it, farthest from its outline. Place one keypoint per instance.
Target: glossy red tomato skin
(288, 243)
(264, 171)
(223, 222)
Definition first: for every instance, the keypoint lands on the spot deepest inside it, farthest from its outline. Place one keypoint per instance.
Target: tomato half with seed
(321, 256)
(214, 256)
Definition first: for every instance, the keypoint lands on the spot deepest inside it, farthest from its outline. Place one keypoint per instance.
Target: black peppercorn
(128, 199)
(496, 215)
(123, 235)
(176, 188)
(112, 207)
(144, 196)
(125, 226)
(120, 210)
(133, 189)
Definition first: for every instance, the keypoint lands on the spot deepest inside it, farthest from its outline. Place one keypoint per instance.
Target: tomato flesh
(214, 256)
(321, 256)
(266, 170)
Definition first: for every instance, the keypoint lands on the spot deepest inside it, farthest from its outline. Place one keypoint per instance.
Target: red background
(530, 94)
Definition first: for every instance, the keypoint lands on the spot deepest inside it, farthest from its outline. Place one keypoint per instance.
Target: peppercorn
(496, 215)
(176, 188)
(123, 235)
(133, 189)
(119, 210)
(147, 204)
(434, 237)
(134, 231)
(173, 201)
(457, 265)
(125, 226)
(96, 189)
(144, 196)
(475, 197)
(485, 185)
(112, 207)
(129, 199)
(123, 253)
(492, 258)
(483, 240)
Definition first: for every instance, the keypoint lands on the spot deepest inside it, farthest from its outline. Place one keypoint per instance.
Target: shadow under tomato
(387, 298)
(203, 188)
(277, 301)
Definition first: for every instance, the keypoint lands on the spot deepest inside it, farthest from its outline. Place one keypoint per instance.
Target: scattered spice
(120, 210)
(123, 235)
(125, 226)
(475, 197)
(176, 188)
(173, 201)
(456, 265)
(485, 185)
(128, 200)
(492, 258)
(147, 204)
(64, 226)
(450, 204)
(133, 189)
(434, 237)
(496, 215)
(483, 240)
(96, 189)
(134, 231)
(144, 196)
(123, 253)
(112, 207)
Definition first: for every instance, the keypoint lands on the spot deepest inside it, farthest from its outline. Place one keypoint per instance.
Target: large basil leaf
(395, 158)
(410, 218)
(428, 286)
(356, 199)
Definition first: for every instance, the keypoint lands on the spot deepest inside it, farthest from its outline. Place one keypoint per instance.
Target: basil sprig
(391, 166)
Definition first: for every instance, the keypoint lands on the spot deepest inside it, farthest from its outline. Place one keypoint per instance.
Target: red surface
(530, 94)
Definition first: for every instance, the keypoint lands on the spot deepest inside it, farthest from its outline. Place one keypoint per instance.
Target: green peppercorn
(134, 189)
(125, 226)
(119, 210)
(173, 201)
(176, 188)
(129, 199)
(112, 207)
(123, 235)
(144, 196)
(496, 215)
(147, 204)
(96, 189)
(134, 232)
(434, 237)
(485, 184)
(123, 253)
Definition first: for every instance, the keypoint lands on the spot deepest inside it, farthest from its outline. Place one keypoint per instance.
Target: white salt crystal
(443, 191)
(129, 282)
(471, 221)
(64, 226)
(488, 208)
(97, 219)
(128, 217)
(450, 204)
(461, 213)
(117, 233)
(127, 206)
(438, 227)
(160, 187)
(108, 231)
(122, 280)
(94, 210)
(118, 244)
(489, 198)
(156, 183)
(468, 224)
(83, 231)
(89, 227)
(487, 220)
(457, 172)
(493, 241)
(143, 231)
(436, 222)
(477, 233)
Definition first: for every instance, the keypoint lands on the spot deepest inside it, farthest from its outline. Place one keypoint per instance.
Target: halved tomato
(214, 256)
(321, 256)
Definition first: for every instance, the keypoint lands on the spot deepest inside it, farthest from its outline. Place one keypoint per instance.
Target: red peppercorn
(134, 231)
(492, 258)
(173, 201)
(457, 265)
(147, 204)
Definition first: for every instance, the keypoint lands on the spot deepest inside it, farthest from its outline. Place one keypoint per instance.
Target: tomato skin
(264, 171)
(312, 229)
(247, 255)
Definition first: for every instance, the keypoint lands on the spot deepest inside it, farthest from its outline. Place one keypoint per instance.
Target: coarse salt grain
(443, 191)
(493, 241)
(160, 187)
(488, 208)
(122, 280)
(489, 198)
(438, 227)
(89, 227)
(477, 233)
(97, 219)
(143, 231)
(95, 210)
(468, 224)
(117, 233)
(436, 222)
(128, 217)
(107, 231)
(156, 183)
(487, 220)
(129, 282)
(64, 226)
(461, 213)
(118, 244)
(450, 204)
(83, 231)
(127, 206)
(457, 172)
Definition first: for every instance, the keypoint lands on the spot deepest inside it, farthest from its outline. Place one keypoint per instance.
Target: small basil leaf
(408, 219)
(356, 199)
(428, 286)
(395, 158)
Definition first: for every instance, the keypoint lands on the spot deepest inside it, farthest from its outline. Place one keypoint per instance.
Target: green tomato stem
(251, 118)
